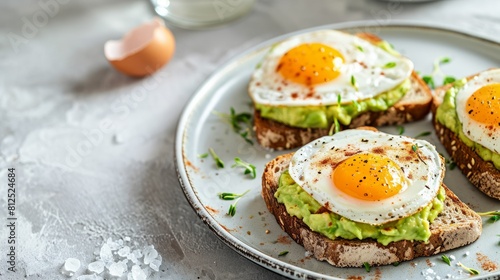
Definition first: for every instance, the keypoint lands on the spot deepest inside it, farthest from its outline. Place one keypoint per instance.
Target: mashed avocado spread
(323, 116)
(446, 114)
(300, 204)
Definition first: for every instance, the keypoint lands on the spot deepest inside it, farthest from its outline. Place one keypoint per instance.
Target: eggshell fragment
(143, 50)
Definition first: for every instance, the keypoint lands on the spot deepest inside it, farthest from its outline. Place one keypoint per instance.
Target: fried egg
(478, 109)
(369, 176)
(326, 67)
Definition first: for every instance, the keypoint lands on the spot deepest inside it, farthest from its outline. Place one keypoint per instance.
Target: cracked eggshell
(143, 50)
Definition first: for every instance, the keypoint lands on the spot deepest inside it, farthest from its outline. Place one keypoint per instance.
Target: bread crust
(415, 105)
(456, 226)
(482, 174)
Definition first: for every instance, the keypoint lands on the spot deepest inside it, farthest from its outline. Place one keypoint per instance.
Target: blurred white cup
(200, 13)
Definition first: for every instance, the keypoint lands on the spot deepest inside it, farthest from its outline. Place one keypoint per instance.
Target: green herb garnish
(354, 83)
(284, 253)
(367, 266)
(415, 148)
(390, 65)
(472, 271)
(245, 136)
(401, 129)
(452, 165)
(236, 121)
(448, 80)
(444, 60)
(422, 134)
(437, 63)
(360, 48)
(218, 161)
(339, 99)
(205, 155)
(494, 215)
(429, 81)
(446, 259)
(231, 196)
(334, 128)
(249, 168)
(395, 263)
(232, 208)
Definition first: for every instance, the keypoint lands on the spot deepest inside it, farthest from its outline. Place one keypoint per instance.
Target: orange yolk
(483, 105)
(310, 64)
(368, 177)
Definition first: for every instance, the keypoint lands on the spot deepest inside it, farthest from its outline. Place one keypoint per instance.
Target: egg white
(424, 176)
(363, 61)
(476, 131)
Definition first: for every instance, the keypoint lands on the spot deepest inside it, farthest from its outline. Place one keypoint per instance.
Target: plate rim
(256, 256)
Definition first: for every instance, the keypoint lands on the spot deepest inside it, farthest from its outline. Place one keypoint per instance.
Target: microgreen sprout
(429, 80)
(446, 259)
(472, 271)
(367, 266)
(401, 129)
(284, 253)
(390, 65)
(249, 168)
(354, 83)
(448, 80)
(231, 196)
(422, 134)
(240, 122)
(494, 215)
(335, 127)
(437, 63)
(415, 148)
(218, 161)
(205, 155)
(452, 165)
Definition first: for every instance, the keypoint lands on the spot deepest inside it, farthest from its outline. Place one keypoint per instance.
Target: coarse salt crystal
(117, 269)
(71, 265)
(106, 254)
(155, 264)
(137, 273)
(97, 267)
(149, 254)
(137, 253)
(124, 252)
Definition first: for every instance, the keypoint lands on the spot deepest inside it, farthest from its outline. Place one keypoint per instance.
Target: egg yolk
(483, 105)
(368, 177)
(310, 64)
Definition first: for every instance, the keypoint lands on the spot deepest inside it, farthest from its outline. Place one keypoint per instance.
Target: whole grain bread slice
(482, 174)
(456, 226)
(414, 106)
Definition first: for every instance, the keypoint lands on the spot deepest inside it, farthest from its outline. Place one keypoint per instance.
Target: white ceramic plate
(253, 231)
